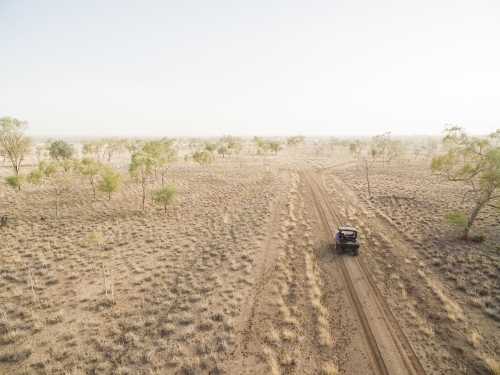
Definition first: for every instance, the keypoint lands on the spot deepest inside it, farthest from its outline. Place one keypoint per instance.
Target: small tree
(356, 148)
(15, 181)
(110, 182)
(333, 142)
(222, 150)
(368, 161)
(295, 140)
(475, 162)
(89, 169)
(319, 147)
(204, 158)
(61, 151)
(96, 240)
(165, 154)
(195, 144)
(431, 146)
(262, 145)
(39, 151)
(381, 143)
(394, 150)
(13, 143)
(54, 175)
(165, 195)
(133, 145)
(275, 146)
(232, 144)
(141, 169)
(417, 148)
(94, 147)
(211, 147)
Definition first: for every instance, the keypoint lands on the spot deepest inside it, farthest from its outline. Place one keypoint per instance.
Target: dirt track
(385, 344)
(366, 338)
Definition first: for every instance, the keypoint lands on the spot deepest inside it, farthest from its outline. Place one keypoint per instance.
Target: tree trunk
(143, 197)
(465, 234)
(104, 274)
(368, 183)
(481, 201)
(57, 204)
(93, 187)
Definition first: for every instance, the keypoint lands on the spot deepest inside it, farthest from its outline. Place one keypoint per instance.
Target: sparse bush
(56, 318)
(111, 182)
(51, 173)
(15, 181)
(16, 355)
(60, 151)
(13, 144)
(481, 237)
(165, 195)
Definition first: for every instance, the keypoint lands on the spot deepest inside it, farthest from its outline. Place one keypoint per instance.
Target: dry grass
(272, 362)
(175, 278)
(312, 274)
(330, 369)
(475, 338)
(493, 365)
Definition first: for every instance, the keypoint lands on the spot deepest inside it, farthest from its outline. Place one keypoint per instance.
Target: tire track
(357, 275)
(266, 273)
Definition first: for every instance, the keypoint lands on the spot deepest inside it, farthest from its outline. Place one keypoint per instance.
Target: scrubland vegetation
(205, 256)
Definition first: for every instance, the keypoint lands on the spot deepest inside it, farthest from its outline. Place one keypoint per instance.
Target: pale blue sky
(257, 67)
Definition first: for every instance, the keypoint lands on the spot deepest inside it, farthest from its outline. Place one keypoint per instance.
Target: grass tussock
(475, 338)
(315, 294)
(330, 369)
(493, 365)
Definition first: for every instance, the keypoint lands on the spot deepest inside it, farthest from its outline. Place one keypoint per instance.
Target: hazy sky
(250, 67)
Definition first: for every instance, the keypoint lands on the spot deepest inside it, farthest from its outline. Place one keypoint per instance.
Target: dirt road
(387, 348)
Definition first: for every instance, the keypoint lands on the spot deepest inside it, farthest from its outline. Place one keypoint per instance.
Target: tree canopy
(295, 140)
(13, 143)
(110, 182)
(15, 181)
(165, 195)
(141, 169)
(54, 175)
(474, 161)
(61, 150)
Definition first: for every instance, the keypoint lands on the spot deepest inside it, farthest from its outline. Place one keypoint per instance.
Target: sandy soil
(239, 277)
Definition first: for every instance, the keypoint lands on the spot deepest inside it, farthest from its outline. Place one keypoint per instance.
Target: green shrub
(457, 218)
(15, 181)
(481, 237)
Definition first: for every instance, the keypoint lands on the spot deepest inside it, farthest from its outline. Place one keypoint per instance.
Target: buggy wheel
(355, 252)
(340, 250)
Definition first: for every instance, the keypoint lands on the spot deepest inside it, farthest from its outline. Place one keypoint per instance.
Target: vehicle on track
(346, 240)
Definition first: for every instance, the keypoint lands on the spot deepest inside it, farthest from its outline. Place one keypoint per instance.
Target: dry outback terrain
(240, 275)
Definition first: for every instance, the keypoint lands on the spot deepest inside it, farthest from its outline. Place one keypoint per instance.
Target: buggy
(346, 240)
